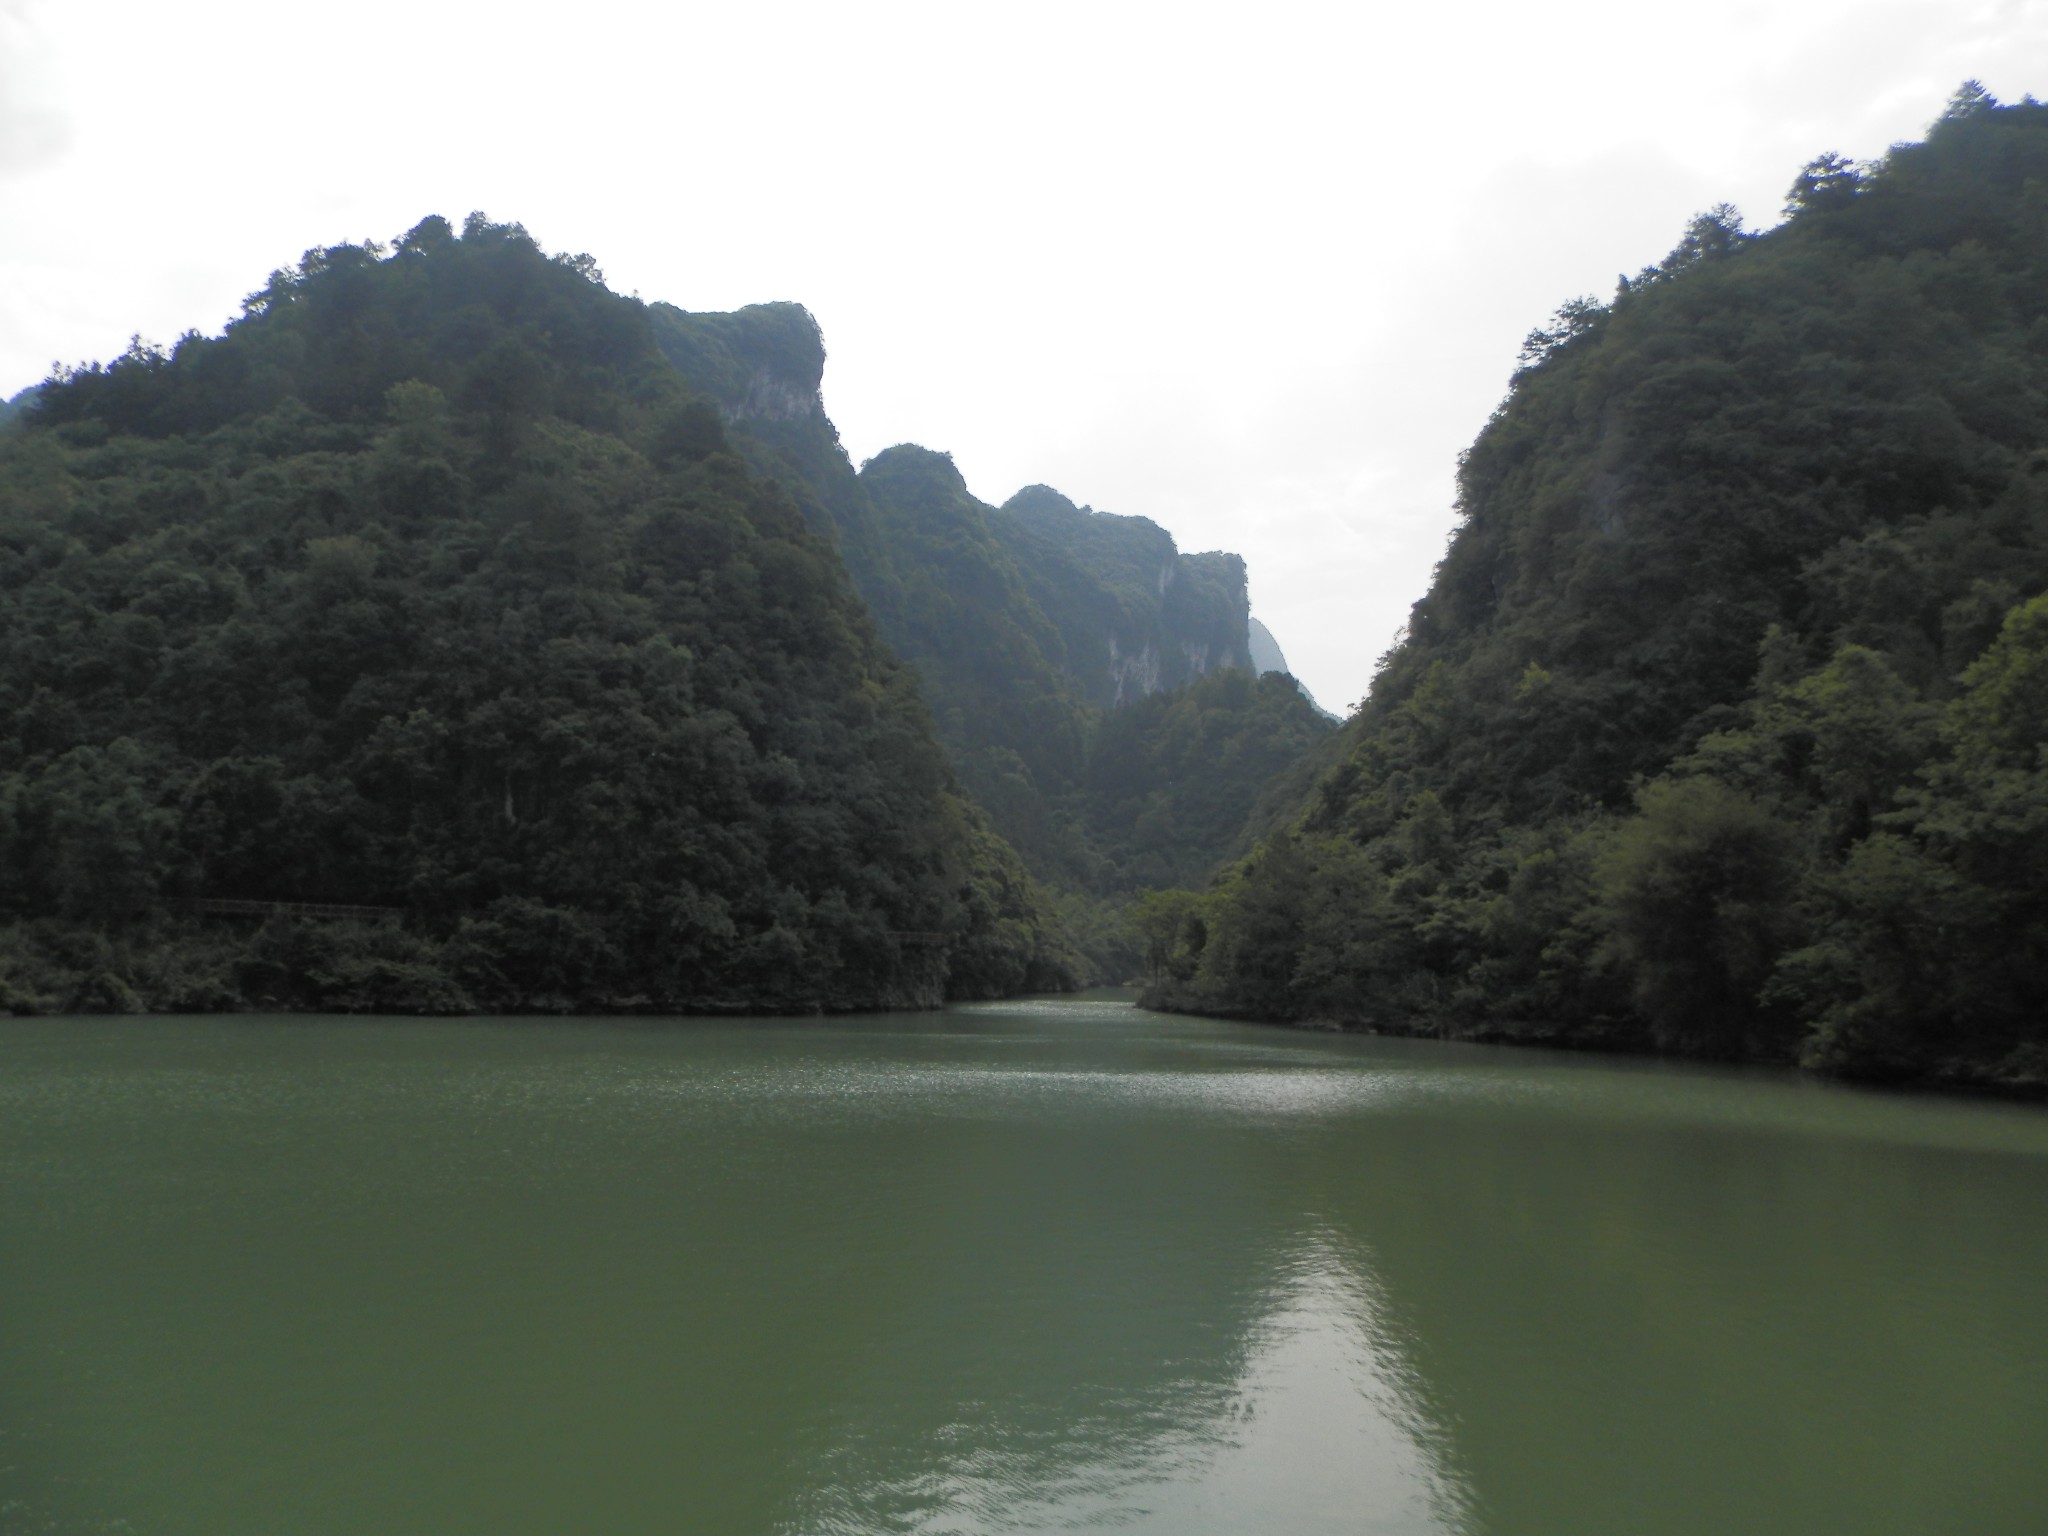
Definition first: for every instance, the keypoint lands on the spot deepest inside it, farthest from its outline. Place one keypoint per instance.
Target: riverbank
(2022, 1076)
(191, 964)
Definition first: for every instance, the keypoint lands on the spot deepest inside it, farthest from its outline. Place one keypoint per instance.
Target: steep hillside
(1135, 616)
(1031, 625)
(430, 589)
(1720, 728)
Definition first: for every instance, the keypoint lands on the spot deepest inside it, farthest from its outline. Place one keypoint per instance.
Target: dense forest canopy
(431, 586)
(1721, 727)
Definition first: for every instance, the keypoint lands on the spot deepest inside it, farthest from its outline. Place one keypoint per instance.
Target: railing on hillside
(227, 906)
(232, 906)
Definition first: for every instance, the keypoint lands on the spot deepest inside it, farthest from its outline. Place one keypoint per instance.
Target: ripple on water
(1317, 1420)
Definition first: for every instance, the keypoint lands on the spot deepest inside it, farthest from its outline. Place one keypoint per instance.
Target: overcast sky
(1255, 271)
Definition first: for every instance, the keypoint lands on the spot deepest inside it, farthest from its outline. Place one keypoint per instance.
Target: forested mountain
(1721, 728)
(1034, 627)
(431, 586)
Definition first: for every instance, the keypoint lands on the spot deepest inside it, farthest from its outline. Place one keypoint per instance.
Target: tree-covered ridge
(430, 585)
(1135, 615)
(1716, 729)
(1128, 613)
(1176, 783)
(1032, 625)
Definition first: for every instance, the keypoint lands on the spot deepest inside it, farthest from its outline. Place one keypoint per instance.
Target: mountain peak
(765, 362)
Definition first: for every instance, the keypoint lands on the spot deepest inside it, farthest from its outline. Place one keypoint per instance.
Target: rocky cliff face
(1139, 615)
(763, 363)
(1026, 622)
(1132, 614)
(1132, 676)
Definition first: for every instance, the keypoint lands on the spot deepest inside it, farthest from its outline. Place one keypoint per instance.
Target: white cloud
(34, 131)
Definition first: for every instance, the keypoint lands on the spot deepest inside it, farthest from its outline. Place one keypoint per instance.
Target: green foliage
(431, 585)
(1575, 320)
(1932, 955)
(15, 410)
(1170, 930)
(1721, 728)
(1696, 899)
(1053, 641)
(1999, 723)
(1828, 181)
(89, 822)
(1171, 781)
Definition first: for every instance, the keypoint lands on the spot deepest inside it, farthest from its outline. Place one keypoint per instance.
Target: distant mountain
(16, 409)
(1723, 727)
(1267, 657)
(1031, 624)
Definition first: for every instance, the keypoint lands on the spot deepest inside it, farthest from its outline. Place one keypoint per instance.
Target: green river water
(1049, 1265)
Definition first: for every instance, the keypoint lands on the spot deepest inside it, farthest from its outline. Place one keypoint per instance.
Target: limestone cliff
(1026, 622)
(1137, 615)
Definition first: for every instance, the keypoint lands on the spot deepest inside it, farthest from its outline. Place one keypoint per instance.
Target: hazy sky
(1257, 272)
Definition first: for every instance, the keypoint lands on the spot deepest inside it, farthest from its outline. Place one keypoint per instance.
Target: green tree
(1696, 900)
(1826, 182)
(90, 826)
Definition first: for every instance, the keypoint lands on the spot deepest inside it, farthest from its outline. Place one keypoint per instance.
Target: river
(1044, 1265)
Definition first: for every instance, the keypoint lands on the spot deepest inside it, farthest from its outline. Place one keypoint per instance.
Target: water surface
(1015, 1267)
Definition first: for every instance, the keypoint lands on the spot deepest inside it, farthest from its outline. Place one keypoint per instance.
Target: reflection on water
(1322, 1424)
(1018, 1267)
(1308, 1422)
